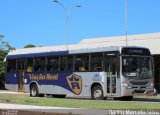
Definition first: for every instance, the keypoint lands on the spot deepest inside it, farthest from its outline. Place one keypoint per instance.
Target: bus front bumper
(135, 90)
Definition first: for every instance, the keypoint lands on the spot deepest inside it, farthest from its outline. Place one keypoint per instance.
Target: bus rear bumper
(11, 87)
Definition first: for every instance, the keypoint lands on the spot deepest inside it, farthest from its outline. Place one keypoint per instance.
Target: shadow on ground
(156, 99)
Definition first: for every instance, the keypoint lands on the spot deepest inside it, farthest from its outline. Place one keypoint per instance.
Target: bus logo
(75, 83)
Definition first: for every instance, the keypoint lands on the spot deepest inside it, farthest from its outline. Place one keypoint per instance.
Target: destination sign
(135, 51)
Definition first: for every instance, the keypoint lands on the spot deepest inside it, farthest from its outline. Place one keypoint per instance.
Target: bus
(98, 73)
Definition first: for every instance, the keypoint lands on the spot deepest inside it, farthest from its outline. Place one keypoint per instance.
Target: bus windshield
(136, 67)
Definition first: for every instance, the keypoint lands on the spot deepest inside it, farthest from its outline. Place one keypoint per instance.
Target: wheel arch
(96, 83)
(32, 83)
(93, 86)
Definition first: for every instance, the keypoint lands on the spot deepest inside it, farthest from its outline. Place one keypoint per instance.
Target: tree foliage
(29, 46)
(2, 67)
(4, 49)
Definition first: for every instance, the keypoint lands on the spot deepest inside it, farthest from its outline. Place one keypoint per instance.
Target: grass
(79, 103)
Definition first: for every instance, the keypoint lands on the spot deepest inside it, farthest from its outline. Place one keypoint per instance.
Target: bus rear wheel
(34, 91)
(97, 93)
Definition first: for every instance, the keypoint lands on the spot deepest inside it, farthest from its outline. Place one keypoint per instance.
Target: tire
(59, 96)
(34, 91)
(97, 93)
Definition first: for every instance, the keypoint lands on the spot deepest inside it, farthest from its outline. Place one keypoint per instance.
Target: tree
(2, 67)
(4, 49)
(29, 46)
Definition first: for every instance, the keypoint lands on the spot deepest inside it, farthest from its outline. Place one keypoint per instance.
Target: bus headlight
(125, 84)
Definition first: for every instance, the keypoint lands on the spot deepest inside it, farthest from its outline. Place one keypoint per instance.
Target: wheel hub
(97, 94)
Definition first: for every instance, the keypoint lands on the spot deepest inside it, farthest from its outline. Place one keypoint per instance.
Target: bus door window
(82, 62)
(97, 62)
(111, 63)
(20, 63)
(20, 73)
(111, 68)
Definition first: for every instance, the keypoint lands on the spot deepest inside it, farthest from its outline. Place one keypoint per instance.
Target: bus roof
(58, 50)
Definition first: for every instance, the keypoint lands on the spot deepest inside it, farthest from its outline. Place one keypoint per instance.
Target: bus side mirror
(124, 62)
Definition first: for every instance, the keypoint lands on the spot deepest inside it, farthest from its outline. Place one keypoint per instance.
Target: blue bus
(118, 72)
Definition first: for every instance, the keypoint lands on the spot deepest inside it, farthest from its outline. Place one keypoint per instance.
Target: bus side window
(111, 63)
(52, 64)
(39, 64)
(82, 69)
(82, 62)
(29, 67)
(70, 63)
(97, 62)
(63, 63)
(77, 62)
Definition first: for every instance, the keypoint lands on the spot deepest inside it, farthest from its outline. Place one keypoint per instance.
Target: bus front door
(20, 76)
(111, 70)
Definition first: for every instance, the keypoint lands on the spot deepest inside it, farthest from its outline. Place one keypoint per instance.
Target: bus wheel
(34, 91)
(97, 93)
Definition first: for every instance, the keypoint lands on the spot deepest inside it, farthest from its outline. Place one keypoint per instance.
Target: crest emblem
(75, 83)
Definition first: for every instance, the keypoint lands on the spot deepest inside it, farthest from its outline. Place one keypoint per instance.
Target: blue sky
(42, 22)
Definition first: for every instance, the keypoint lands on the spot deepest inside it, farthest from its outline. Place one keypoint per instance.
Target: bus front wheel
(34, 91)
(97, 93)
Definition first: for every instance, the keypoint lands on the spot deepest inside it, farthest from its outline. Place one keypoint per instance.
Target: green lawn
(79, 103)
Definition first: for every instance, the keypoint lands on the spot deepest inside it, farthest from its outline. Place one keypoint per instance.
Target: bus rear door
(20, 74)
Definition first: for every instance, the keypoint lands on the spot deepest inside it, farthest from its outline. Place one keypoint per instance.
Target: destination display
(135, 51)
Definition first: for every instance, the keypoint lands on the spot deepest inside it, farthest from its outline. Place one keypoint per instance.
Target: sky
(43, 22)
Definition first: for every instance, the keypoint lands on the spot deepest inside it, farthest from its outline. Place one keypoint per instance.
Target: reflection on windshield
(136, 67)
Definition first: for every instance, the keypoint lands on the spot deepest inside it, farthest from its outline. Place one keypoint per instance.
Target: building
(151, 41)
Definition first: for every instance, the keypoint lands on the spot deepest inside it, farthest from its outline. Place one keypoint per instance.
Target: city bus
(98, 73)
